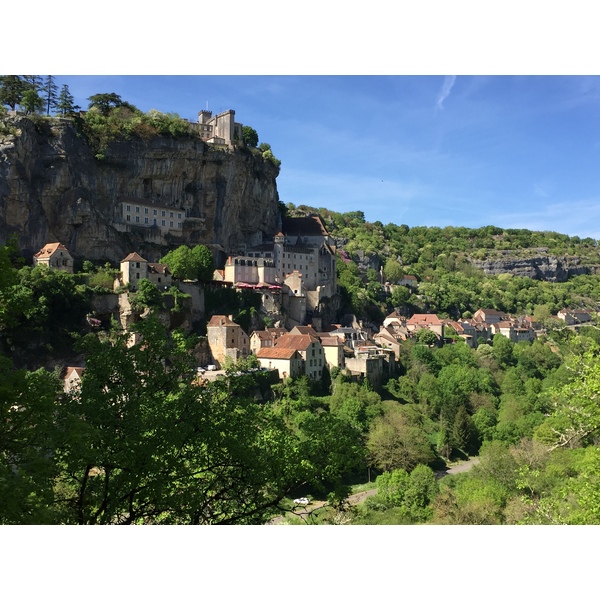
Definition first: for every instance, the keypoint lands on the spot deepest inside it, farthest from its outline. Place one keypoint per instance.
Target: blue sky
(512, 151)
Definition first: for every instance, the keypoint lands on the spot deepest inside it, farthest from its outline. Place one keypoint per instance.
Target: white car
(302, 501)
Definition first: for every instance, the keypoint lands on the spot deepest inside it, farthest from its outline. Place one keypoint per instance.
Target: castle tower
(204, 116)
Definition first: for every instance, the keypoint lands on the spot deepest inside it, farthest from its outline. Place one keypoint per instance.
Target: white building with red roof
(287, 361)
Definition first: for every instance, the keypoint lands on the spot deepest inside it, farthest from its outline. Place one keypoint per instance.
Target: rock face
(52, 188)
(548, 268)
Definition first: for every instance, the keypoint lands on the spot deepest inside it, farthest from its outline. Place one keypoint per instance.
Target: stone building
(54, 256)
(221, 130)
(226, 339)
(134, 268)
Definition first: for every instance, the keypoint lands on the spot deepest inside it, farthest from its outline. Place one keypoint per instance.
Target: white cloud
(445, 91)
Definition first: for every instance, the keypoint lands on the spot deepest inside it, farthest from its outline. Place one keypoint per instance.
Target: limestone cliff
(542, 266)
(52, 188)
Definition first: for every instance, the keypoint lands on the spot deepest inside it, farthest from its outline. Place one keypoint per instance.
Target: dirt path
(354, 499)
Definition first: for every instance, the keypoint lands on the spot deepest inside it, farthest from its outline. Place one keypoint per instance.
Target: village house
(135, 268)
(574, 317)
(55, 256)
(226, 339)
(333, 349)
(515, 331)
(309, 348)
(373, 363)
(72, 379)
(459, 329)
(425, 321)
(287, 361)
(259, 340)
(394, 319)
(388, 338)
(490, 315)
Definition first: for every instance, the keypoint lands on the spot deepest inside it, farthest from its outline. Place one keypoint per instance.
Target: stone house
(333, 348)
(134, 268)
(574, 317)
(388, 338)
(373, 363)
(490, 315)
(72, 379)
(55, 256)
(309, 348)
(226, 339)
(513, 330)
(425, 321)
(460, 329)
(260, 340)
(287, 361)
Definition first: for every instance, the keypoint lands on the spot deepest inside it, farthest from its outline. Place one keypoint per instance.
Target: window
(137, 275)
(163, 222)
(170, 223)
(180, 225)
(145, 219)
(154, 212)
(145, 211)
(179, 215)
(155, 221)
(128, 208)
(137, 265)
(171, 215)
(137, 219)
(163, 213)
(129, 217)
(137, 209)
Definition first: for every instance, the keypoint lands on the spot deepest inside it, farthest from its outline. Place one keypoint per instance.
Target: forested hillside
(144, 441)
(446, 263)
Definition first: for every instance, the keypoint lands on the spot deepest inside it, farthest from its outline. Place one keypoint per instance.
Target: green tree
(27, 444)
(11, 90)
(250, 136)
(394, 442)
(65, 102)
(140, 443)
(104, 103)
(31, 101)
(393, 271)
(190, 263)
(400, 295)
(50, 93)
(426, 336)
(576, 407)
(147, 296)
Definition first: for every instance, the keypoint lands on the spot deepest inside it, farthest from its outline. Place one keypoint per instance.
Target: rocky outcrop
(53, 188)
(542, 267)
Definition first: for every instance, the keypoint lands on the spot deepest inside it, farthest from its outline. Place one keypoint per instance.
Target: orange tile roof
(297, 342)
(50, 249)
(424, 318)
(276, 353)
